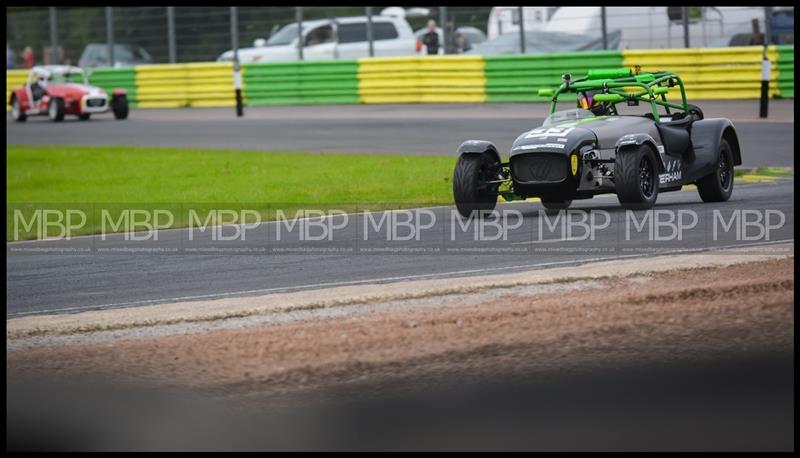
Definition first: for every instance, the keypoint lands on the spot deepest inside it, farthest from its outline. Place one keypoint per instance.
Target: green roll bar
(654, 85)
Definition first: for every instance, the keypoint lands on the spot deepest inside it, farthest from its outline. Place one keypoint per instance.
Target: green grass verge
(174, 178)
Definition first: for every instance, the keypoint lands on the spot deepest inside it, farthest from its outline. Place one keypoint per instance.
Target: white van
(505, 19)
(645, 27)
(329, 39)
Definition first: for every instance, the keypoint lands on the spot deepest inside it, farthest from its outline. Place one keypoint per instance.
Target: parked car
(655, 26)
(96, 55)
(328, 39)
(537, 42)
(782, 27)
(473, 35)
(59, 90)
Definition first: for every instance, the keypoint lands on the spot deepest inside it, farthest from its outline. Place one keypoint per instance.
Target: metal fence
(100, 36)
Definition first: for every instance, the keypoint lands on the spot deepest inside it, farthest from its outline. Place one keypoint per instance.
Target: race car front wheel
(471, 188)
(636, 177)
(16, 111)
(717, 186)
(119, 105)
(55, 110)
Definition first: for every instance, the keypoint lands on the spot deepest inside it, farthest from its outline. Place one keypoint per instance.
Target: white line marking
(530, 242)
(380, 280)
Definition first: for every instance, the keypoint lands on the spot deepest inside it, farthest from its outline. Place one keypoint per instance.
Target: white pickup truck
(329, 39)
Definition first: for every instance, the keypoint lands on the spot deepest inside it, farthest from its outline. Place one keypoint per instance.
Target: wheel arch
(629, 141)
(479, 147)
(707, 134)
(729, 135)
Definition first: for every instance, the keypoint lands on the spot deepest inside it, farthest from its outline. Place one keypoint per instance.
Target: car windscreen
(567, 115)
(125, 53)
(284, 36)
(98, 53)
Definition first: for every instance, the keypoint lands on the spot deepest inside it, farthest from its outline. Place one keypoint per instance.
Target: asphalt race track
(38, 282)
(415, 129)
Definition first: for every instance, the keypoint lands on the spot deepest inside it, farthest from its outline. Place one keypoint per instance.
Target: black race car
(592, 149)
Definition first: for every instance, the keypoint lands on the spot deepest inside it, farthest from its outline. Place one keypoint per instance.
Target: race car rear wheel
(55, 109)
(84, 116)
(471, 190)
(16, 111)
(636, 177)
(718, 185)
(119, 105)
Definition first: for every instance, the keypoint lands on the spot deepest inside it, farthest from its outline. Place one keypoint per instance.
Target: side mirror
(260, 43)
(546, 92)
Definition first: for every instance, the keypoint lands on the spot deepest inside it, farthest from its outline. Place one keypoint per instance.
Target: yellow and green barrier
(712, 73)
(517, 78)
(14, 80)
(116, 78)
(185, 85)
(297, 83)
(786, 71)
(427, 79)
(715, 73)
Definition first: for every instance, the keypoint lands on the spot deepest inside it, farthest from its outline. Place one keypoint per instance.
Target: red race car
(59, 90)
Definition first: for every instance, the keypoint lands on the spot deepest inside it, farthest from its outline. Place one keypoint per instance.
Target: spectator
(460, 43)
(27, 57)
(431, 38)
(9, 57)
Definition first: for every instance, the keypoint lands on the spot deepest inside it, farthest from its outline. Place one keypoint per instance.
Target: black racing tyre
(16, 111)
(84, 116)
(119, 105)
(636, 177)
(717, 186)
(470, 191)
(550, 203)
(55, 109)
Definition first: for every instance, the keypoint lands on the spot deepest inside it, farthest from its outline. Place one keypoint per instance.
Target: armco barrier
(14, 79)
(284, 83)
(185, 85)
(786, 71)
(428, 79)
(715, 73)
(116, 78)
(517, 78)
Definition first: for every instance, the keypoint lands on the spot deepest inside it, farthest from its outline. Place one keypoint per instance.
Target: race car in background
(60, 90)
(594, 149)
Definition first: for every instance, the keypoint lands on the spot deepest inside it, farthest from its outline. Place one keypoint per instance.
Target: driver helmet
(587, 102)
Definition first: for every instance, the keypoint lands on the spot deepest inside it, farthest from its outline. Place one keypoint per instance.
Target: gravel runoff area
(593, 315)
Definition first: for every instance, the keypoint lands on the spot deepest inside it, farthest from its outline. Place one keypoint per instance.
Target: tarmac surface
(50, 276)
(396, 129)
